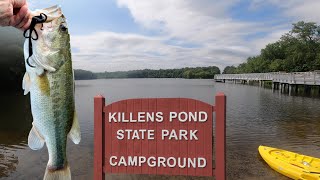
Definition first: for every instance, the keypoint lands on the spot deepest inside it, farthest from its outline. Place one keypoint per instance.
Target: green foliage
(80, 74)
(229, 70)
(296, 51)
(188, 73)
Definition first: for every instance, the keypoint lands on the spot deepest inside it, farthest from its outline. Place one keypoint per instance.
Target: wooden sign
(165, 136)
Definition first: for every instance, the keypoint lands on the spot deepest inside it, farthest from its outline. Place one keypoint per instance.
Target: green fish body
(51, 86)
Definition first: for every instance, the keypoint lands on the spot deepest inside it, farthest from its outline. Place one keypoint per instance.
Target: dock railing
(306, 78)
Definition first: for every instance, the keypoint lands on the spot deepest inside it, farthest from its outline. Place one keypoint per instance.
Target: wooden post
(285, 86)
(273, 86)
(99, 103)
(290, 89)
(220, 142)
(307, 89)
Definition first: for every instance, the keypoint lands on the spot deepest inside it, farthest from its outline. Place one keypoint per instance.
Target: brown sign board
(164, 136)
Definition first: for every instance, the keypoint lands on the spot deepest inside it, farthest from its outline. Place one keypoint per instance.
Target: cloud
(193, 21)
(272, 37)
(109, 51)
(306, 10)
(188, 33)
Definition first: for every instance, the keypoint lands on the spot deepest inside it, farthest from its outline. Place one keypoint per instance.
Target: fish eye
(63, 28)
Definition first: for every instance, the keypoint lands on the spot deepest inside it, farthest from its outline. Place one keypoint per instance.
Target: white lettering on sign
(179, 134)
(202, 162)
(172, 162)
(141, 117)
(152, 161)
(132, 161)
(111, 162)
(188, 116)
(135, 134)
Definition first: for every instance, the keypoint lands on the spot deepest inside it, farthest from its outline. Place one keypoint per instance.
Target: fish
(50, 83)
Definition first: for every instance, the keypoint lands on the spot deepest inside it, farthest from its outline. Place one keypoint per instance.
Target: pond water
(255, 116)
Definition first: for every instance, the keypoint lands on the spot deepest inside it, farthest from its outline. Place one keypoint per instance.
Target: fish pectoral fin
(35, 140)
(43, 65)
(26, 83)
(74, 133)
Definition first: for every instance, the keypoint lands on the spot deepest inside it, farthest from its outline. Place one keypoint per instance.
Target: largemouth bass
(49, 79)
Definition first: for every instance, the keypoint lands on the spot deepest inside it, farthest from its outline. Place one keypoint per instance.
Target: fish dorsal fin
(35, 140)
(74, 133)
(26, 83)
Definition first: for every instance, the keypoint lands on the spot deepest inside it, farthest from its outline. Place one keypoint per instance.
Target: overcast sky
(113, 35)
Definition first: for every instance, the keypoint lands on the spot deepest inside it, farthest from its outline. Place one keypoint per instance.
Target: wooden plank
(191, 145)
(175, 144)
(108, 138)
(161, 144)
(136, 126)
(114, 141)
(99, 103)
(130, 145)
(204, 131)
(145, 142)
(152, 145)
(220, 142)
(183, 144)
(122, 148)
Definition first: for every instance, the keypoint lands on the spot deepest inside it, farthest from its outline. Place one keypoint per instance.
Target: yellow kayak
(290, 164)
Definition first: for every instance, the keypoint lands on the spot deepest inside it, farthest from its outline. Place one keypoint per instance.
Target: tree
(229, 70)
(189, 73)
(297, 50)
(80, 74)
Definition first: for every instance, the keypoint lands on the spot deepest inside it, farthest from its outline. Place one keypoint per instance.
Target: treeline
(296, 51)
(187, 73)
(80, 74)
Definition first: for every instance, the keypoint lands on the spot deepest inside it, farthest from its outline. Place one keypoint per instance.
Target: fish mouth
(52, 13)
(40, 17)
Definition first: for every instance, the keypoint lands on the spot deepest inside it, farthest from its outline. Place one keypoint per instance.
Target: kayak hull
(290, 164)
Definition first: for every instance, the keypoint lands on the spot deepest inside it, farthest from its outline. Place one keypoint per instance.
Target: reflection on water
(255, 116)
(15, 122)
(8, 160)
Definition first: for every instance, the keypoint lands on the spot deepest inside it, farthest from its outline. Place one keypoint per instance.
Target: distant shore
(185, 73)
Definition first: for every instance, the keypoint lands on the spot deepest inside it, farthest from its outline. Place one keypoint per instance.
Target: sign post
(164, 136)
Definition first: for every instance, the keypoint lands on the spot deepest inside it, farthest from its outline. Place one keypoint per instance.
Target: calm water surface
(254, 116)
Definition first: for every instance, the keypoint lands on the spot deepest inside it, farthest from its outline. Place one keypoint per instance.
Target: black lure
(35, 20)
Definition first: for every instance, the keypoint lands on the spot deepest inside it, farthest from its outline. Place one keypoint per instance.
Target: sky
(120, 35)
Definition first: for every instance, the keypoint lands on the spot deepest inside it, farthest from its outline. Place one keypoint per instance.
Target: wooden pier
(284, 82)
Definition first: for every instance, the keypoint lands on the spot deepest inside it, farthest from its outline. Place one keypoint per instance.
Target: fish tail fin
(60, 174)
